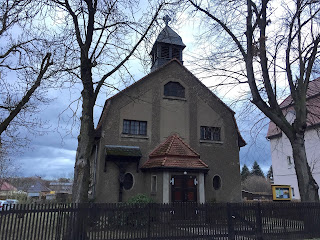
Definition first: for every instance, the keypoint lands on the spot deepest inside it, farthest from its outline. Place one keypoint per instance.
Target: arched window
(174, 89)
(216, 182)
(128, 181)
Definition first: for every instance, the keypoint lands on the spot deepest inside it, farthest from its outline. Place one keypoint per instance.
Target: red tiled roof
(313, 89)
(313, 108)
(5, 186)
(174, 153)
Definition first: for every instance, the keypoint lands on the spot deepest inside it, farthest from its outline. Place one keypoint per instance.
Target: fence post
(231, 235)
(149, 220)
(259, 222)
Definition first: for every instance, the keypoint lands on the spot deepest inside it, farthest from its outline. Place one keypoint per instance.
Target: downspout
(122, 171)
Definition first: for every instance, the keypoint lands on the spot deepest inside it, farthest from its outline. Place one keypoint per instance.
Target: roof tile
(313, 107)
(174, 153)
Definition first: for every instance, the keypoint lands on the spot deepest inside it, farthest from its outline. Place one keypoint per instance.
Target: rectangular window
(210, 133)
(134, 127)
(153, 183)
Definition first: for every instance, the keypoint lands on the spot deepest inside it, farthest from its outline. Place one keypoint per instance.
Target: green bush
(140, 198)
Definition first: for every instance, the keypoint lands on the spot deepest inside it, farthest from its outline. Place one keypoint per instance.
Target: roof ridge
(164, 161)
(171, 143)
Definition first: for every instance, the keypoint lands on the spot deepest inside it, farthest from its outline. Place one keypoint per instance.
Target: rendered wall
(145, 101)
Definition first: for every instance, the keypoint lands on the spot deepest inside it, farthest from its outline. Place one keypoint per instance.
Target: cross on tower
(166, 19)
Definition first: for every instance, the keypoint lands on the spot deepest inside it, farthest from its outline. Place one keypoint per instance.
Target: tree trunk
(85, 138)
(308, 187)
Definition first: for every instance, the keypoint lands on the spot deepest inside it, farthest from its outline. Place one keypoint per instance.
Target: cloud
(47, 162)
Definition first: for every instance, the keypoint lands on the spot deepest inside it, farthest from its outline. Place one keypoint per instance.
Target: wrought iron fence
(161, 221)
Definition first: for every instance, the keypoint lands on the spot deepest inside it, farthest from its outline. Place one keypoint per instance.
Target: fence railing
(161, 221)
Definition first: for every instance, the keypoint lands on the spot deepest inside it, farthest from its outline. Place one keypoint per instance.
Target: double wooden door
(184, 188)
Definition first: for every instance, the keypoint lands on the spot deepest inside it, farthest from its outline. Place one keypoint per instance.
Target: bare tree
(256, 184)
(266, 43)
(97, 36)
(23, 66)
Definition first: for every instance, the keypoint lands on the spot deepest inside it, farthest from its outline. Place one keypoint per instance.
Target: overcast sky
(52, 154)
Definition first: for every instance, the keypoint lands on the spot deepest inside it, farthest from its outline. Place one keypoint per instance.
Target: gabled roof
(5, 186)
(312, 104)
(174, 153)
(241, 141)
(313, 89)
(38, 187)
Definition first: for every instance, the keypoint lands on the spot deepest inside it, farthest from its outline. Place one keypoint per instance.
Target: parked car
(3, 205)
(12, 202)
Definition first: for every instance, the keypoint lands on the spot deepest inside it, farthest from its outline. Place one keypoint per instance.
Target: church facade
(167, 136)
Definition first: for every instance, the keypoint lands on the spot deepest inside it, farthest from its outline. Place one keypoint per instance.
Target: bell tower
(167, 46)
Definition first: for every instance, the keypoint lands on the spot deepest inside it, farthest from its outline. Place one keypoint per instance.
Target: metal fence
(161, 221)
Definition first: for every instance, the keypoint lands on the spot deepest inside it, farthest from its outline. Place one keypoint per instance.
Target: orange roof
(174, 153)
(313, 107)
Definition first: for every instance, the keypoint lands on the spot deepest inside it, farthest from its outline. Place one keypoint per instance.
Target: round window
(216, 182)
(128, 181)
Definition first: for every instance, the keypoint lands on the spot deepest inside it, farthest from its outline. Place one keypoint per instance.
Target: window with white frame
(153, 183)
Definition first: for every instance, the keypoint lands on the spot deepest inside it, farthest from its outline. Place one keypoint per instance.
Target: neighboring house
(61, 187)
(38, 190)
(62, 190)
(167, 136)
(6, 189)
(281, 151)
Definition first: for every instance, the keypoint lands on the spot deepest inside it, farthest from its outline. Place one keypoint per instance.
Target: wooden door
(184, 188)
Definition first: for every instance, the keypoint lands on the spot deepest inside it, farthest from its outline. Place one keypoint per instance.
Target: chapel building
(167, 136)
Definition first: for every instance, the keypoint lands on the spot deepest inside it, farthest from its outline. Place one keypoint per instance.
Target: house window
(128, 181)
(134, 127)
(210, 133)
(153, 183)
(216, 182)
(174, 89)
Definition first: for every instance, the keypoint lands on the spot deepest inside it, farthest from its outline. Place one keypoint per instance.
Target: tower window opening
(176, 53)
(165, 52)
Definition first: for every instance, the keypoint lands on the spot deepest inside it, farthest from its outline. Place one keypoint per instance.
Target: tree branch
(46, 62)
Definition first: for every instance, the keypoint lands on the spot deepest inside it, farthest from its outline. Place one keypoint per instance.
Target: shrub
(140, 198)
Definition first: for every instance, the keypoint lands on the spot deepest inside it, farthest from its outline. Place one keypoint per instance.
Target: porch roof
(123, 151)
(174, 153)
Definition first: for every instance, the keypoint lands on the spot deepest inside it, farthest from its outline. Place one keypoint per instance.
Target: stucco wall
(145, 101)
(284, 173)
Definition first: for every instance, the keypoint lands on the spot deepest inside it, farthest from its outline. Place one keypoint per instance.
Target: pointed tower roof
(174, 153)
(167, 46)
(167, 35)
